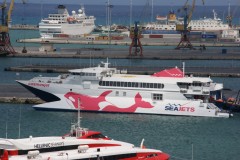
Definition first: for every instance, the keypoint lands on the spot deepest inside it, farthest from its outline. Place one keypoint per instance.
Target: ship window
(157, 96)
(122, 84)
(129, 84)
(143, 85)
(125, 84)
(117, 93)
(96, 136)
(155, 85)
(110, 83)
(151, 85)
(124, 93)
(114, 83)
(134, 84)
(107, 83)
(100, 83)
(197, 84)
(118, 84)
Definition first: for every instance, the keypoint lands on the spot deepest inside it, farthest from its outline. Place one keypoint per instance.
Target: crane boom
(10, 12)
(184, 28)
(192, 9)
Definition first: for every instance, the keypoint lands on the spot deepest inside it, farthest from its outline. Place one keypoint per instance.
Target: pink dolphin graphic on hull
(139, 103)
(87, 102)
(92, 103)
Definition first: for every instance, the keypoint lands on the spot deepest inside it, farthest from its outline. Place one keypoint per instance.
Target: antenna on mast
(183, 63)
(79, 118)
(7, 126)
(19, 123)
(78, 128)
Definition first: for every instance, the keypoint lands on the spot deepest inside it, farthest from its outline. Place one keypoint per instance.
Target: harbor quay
(11, 93)
(196, 71)
(161, 53)
(124, 40)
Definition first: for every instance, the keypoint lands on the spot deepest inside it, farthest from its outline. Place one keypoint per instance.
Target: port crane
(136, 47)
(135, 35)
(184, 28)
(5, 43)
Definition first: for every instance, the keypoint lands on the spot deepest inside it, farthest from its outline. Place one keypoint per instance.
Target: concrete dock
(196, 71)
(11, 93)
(126, 41)
(123, 53)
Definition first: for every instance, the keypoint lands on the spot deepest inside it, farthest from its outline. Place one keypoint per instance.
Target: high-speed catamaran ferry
(105, 89)
(79, 144)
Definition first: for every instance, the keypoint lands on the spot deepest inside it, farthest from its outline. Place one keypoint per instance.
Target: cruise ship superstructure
(63, 24)
(168, 23)
(104, 89)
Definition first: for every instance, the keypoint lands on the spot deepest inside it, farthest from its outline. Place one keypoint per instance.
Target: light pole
(106, 13)
(152, 18)
(24, 50)
(108, 17)
(109, 20)
(130, 20)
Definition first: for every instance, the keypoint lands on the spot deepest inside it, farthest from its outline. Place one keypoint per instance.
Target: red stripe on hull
(150, 156)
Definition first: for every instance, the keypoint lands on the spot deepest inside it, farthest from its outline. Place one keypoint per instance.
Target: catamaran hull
(110, 101)
(165, 108)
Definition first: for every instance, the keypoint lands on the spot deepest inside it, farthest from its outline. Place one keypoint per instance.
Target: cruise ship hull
(64, 97)
(52, 30)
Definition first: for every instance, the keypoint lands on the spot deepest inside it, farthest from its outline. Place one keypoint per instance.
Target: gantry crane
(184, 28)
(5, 44)
(135, 35)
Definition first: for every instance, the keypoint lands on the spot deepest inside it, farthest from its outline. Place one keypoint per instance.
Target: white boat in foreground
(79, 144)
(104, 89)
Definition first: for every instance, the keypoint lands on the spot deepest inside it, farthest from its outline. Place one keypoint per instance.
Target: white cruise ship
(204, 24)
(104, 89)
(62, 24)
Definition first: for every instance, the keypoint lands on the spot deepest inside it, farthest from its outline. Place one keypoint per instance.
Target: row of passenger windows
(55, 16)
(155, 96)
(131, 84)
(83, 74)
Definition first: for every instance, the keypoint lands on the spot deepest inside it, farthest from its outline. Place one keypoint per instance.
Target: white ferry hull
(105, 100)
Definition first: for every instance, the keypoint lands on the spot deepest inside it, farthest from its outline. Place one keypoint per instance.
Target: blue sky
(137, 2)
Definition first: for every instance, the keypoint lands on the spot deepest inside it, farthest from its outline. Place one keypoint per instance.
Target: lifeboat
(71, 20)
(161, 18)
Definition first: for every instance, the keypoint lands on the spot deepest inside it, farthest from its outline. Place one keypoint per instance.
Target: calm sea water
(212, 138)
